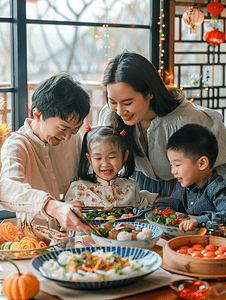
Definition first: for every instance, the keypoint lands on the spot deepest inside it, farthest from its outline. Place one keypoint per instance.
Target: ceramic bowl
(147, 244)
(137, 213)
(170, 232)
(198, 289)
(194, 266)
(145, 256)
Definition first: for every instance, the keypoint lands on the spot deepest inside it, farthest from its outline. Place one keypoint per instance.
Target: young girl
(106, 162)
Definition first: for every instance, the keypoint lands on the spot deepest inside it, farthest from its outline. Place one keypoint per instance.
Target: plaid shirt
(202, 201)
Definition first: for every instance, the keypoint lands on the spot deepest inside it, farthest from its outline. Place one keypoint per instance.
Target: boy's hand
(188, 225)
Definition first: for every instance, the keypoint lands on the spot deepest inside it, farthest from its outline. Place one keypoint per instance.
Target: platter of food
(14, 244)
(100, 216)
(196, 256)
(129, 234)
(96, 267)
(169, 222)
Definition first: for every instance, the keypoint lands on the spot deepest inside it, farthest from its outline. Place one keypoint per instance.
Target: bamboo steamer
(194, 265)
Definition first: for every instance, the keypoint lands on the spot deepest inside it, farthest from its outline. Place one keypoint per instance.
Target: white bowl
(147, 244)
(170, 232)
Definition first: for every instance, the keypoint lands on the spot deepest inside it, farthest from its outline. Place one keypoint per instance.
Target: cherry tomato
(197, 254)
(182, 251)
(222, 248)
(197, 247)
(218, 252)
(209, 254)
(191, 250)
(220, 256)
(211, 247)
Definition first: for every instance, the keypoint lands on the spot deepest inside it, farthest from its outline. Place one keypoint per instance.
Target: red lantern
(215, 37)
(215, 8)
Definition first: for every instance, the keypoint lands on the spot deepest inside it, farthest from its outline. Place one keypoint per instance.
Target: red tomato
(222, 248)
(197, 247)
(211, 247)
(209, 254)
(182, 251)
(221, 256)
(197, 253)
(191, 250)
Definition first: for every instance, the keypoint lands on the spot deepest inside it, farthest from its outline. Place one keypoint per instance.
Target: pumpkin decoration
(20, 286)
(215, 8)
(194, 17)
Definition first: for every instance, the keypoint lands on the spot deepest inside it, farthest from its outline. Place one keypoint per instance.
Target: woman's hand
(61, 211)
(188, 225)
(77, 203)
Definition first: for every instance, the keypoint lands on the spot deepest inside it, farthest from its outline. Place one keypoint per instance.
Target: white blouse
(157, 166)
(118, 192)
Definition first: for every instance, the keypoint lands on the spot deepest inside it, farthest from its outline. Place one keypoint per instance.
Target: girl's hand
(188, 225)
(61, 211)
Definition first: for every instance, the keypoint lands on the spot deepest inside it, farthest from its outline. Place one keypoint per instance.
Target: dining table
(154, 286)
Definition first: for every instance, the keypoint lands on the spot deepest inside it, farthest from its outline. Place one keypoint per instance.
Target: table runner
(157, 279)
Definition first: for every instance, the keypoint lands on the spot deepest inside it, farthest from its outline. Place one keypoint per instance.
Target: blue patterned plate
(170, 232)
(144, 256)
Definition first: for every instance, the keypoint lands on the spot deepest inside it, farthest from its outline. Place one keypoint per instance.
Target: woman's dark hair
(108, 134)
(137, 71)
(61, 95)
(194, 141)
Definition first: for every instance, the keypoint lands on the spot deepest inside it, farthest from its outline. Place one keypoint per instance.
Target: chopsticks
(83, 220)
(101, 208)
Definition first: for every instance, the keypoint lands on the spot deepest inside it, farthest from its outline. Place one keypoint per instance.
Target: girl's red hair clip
(88, 127)
(123, 132)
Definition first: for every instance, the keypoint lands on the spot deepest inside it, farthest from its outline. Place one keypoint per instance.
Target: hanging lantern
(194, 17)
(214, 37)
(215, 8)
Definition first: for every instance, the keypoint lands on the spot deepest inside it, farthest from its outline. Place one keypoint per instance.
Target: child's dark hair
(107, 133)
(61, 95)
(194, 141)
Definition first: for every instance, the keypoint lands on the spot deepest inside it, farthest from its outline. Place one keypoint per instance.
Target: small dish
(190, 289)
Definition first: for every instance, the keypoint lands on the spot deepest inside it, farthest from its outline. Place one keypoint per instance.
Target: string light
(161, 39)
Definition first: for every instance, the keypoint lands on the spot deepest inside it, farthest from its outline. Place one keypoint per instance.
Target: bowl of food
(196, 256)
(169, 222)
(128, 234)
(100, 216)
(193, 289)
(97, 267)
